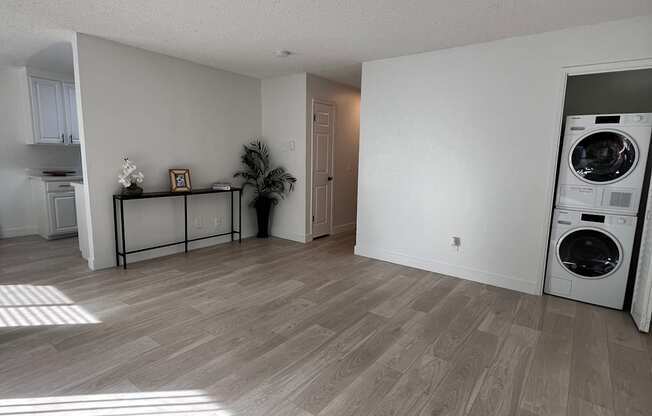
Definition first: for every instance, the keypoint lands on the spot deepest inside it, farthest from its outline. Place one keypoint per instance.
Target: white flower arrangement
(129, 175)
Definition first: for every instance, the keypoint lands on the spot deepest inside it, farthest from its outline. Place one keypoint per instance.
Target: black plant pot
(263, 208)
(132, 189)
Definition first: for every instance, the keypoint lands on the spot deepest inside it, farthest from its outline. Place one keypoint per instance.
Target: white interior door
(642, 301)
(48, 110)
(323, 128)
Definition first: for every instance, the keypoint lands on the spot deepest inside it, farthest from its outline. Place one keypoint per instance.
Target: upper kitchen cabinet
(70, 108)
(54, 111)
(47, 111)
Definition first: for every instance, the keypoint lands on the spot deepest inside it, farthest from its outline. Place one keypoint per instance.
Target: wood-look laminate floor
(272, 327)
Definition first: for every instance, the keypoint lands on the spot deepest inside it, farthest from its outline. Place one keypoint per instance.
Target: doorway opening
(602, 181)
(334, 125)
(41, 150)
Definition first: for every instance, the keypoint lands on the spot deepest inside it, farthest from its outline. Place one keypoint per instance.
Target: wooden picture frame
(180, 180)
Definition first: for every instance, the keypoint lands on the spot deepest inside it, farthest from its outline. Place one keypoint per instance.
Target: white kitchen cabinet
(54, 111)
(70, 107)
(63, 217)
(48, 111)
(53, 202)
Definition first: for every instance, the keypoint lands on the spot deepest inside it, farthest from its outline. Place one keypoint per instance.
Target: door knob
(330, 178)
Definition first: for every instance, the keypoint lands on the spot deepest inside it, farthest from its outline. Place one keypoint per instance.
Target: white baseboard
(306, 238)
(165, 251)
(12, 232)
(480, 276)
(300, 238)
(344, 228)
(91, 263)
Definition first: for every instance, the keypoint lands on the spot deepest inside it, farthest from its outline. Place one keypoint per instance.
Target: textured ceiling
(328, 37)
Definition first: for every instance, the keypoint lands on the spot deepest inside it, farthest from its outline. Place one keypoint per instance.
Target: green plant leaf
(267, 183)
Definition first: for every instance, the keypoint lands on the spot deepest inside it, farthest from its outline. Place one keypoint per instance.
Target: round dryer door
(603, 156)
(589, 253)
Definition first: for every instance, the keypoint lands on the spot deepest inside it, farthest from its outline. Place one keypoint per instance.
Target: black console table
(121, 198)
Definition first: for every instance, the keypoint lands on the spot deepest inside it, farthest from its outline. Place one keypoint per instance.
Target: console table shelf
(119, 199)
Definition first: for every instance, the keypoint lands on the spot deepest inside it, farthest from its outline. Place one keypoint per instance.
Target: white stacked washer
(589, 256)
(598, 193)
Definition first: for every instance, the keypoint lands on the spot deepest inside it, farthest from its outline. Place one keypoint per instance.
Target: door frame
(332, 157)
(565, 72)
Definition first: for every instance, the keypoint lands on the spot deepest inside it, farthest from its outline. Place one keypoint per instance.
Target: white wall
(287, 109)
(163, 113)
(345, 152)
(284, 122)
(16, 156)
(463, 142)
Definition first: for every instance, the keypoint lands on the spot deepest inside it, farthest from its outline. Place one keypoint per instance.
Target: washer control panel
(583, 218)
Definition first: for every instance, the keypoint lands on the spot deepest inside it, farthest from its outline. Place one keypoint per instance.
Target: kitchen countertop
(47, 178)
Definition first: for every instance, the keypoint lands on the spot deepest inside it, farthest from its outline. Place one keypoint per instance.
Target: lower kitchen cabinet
(54, 207)
(61, 208)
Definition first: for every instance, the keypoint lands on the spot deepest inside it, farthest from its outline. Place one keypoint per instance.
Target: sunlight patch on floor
(24, 295)
(28, 305)
(184, 402)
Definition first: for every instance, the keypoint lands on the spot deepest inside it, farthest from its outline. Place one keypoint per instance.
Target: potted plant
(270, 185)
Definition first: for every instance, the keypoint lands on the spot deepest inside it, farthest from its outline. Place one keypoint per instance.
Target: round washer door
(589, 253)
(603, 156)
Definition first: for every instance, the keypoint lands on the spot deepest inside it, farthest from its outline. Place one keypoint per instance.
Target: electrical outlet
(218, 221)
(456, 242)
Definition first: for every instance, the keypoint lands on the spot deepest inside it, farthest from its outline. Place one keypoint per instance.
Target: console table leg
(122, 228)
(231, 208)
(115, 235)
(185, 220)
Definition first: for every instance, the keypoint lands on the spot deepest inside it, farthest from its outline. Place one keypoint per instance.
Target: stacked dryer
(599, 188)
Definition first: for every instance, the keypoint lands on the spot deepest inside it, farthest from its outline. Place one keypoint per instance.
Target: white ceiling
(57, 57)
(329, 37)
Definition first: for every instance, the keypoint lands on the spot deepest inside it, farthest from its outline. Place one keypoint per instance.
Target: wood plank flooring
(272, 327)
